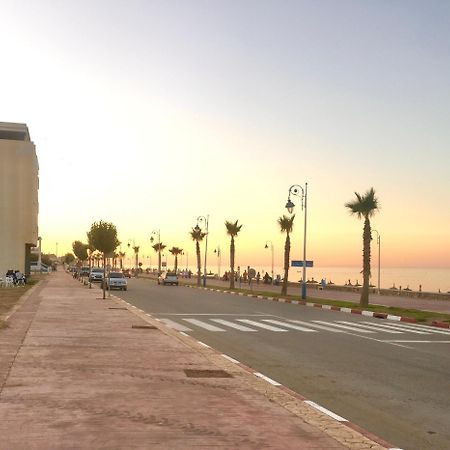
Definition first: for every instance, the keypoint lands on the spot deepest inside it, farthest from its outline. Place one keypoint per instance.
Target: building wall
(19, 207)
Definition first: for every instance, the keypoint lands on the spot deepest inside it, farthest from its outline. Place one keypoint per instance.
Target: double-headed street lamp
(157, 233)
(219, 259)
(379, 258)
(205, 220)
(136, 256)
(271, 249)
(301, 192)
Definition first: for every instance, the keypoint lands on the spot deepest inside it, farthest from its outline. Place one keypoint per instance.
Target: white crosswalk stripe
(369, 327)
(233, 325)
(204, 325)
(395, 327)
(290, 325)
(276, 325)
(344, 327)
(261, 325)
(175, 325)
(315, 325)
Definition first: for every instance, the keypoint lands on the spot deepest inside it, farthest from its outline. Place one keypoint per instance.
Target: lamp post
(301, 192)
(379, 258)
(157, 233)
(219, 259)
(271, 249)
(206, 221)
(136, 256)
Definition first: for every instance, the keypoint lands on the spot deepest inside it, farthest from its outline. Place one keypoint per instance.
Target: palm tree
(197, 235)
(365, 206)
(121, 255)
(286, 224)
(232, 230)
(176, 251)
(159, 247)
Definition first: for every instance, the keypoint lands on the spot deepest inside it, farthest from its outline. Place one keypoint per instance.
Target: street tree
(232, 230)
(176, 251)
(286, 226)
(197, 235)
(80, 250)
(159, 247)
(103, 237)
(364, 207)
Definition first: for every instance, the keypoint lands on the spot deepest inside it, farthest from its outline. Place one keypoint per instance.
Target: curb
(192, 342)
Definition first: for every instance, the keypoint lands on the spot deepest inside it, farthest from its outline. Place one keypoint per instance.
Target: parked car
(127, 273)
(84, 271)
(116, 280)
(96, 274)
(168, 278)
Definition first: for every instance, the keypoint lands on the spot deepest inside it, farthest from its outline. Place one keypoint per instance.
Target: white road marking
(235, 361)
(233, 325)
(345, 327)
(325, 411)
(204, 345)
(394, 327)
(369, 327)
(204, 325)
(320, 327)
(269, 380)
(421, 342)
(290, 325)
(260, 325)
(425, 328)
(175, 325)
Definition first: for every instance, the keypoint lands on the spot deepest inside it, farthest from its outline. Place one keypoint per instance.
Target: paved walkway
(79, 372)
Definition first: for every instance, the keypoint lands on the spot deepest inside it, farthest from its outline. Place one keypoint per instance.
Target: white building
(19, 206)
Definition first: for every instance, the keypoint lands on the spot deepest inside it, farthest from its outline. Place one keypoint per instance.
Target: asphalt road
(390, 378)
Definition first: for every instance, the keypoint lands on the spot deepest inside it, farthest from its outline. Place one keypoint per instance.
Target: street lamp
(205, 220)
(379, 259)
(271, 249)
(157, 233)
(136, 256)
(301, 192)
(219, 259)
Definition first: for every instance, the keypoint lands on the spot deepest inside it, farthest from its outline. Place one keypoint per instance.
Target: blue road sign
(295, 263)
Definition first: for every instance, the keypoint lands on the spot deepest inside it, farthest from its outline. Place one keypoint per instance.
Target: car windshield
(116, 275)
(97, 269)
(171, 274)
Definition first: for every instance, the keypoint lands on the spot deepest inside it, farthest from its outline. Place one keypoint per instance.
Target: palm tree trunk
(159, 262)
(176, 263)
(366, 263)
(232, 263)
(287, 251)
(199, 266)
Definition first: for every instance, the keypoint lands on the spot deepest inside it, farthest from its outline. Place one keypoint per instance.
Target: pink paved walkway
(76, 374)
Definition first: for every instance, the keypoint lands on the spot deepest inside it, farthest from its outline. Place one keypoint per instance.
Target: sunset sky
(149, 114)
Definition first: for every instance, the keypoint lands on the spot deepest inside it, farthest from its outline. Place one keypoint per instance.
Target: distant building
(19, 206)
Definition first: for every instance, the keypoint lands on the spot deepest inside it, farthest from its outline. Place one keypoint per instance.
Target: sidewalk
(79, 372)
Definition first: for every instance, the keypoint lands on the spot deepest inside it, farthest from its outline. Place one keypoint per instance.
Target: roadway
(390, 378)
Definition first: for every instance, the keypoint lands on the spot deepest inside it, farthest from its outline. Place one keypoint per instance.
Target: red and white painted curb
(377, 315)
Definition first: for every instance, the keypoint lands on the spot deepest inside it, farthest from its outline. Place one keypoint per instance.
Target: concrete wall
(19, 205)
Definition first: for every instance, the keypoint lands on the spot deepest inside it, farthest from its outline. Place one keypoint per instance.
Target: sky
(149, 114)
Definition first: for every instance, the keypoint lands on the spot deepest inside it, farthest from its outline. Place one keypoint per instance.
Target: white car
(96, 274)
(116, 280)
(168, 278)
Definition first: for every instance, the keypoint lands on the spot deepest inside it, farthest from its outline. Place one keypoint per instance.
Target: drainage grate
(144, 327)
(194, 373)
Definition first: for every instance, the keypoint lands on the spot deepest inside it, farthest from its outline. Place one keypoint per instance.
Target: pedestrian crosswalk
(266, 323)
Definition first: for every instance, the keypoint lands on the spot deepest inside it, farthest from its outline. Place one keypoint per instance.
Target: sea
(429, 279)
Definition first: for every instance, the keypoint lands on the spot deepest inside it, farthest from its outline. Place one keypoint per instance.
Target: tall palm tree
(365, 206)
(286, 226)
(159, 247)
(176, 251)
(197, 235)
(232, 230)
(121, 255)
